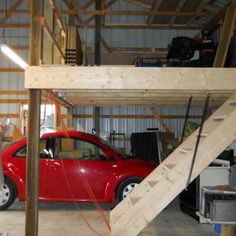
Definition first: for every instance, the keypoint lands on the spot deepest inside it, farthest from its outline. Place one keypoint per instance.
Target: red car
(68, 165)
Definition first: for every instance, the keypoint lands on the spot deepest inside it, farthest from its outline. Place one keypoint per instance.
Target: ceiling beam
(12, 10)
(130, 12)
(216, 20)
(15, 25)
(155, 7)
(140, 3)
(72, 7)
(107, 5)
(225, 36)
(178, 9)
(199, 9)
(142, 26)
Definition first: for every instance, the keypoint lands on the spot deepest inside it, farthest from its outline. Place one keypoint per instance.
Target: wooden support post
(98, 22)
(70, 117)
(32, 183)
(225, 35)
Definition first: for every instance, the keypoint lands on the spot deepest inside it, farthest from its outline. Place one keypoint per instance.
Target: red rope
(84, 180)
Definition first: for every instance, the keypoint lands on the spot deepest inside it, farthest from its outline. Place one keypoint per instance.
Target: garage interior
(122, 68)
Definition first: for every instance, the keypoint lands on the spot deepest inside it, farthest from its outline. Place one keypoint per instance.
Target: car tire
(7, 194)
(126, 187)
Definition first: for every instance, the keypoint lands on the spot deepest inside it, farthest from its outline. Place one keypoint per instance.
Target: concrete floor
(60, 219)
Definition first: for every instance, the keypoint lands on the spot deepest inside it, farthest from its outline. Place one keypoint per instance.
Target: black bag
(144, 146)
(181, 48)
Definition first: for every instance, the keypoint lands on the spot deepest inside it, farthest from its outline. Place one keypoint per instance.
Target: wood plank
(178, 9)
(130, 78)
(15, 70)
(12, 10)
(14, 92)
(15, 25)
(105, 116)
(132, 12)
(142, 26)
(107, 5)
(140, 3)
(9, 115)
(155, 6)
(225, 35)
(172, 174)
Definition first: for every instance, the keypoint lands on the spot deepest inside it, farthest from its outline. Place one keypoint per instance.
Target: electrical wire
(83, 178)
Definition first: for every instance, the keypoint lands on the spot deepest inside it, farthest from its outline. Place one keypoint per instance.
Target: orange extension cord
(84, 180)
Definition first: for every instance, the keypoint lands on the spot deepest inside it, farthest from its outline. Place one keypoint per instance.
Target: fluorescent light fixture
(13, 56)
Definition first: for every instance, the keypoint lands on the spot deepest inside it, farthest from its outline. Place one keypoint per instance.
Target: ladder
(159, 188)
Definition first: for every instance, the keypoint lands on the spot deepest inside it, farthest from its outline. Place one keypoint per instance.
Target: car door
(19, 160)
(78, 167)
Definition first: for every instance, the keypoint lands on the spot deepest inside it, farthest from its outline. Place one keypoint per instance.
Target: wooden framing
(170, 178)
(124, 85)
(131, 78)
(225, 35)
(129, 12)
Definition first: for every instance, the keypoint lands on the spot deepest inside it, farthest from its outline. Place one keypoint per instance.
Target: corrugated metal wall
(156, 38)
(129, 126)
(12, 81)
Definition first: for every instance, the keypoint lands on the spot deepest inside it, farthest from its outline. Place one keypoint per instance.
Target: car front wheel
(126, 187)
(7, 194)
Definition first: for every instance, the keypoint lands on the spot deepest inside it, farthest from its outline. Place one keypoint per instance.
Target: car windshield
(120, 153)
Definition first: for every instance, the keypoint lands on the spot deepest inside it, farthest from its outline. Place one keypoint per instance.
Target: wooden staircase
(159, 188)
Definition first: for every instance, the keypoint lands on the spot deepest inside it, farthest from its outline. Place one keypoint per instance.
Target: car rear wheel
(7, 194)
(126, 187)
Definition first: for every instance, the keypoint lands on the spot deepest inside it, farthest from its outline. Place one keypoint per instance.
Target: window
(47, 118)
(71, 148)
(42, 149)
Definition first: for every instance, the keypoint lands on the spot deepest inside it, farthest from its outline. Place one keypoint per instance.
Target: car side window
(72, 148)
(43, 149)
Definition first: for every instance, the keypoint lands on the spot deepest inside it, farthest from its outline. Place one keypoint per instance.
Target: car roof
(72, 133)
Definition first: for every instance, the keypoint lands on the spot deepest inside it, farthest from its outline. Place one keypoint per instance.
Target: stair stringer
(159, 188)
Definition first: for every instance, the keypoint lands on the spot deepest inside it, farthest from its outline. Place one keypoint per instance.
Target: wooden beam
(33, 131)
(133, 49)
(15, 70)
(140, 3)
(216, 20)
(71, 6)
(105, 45)
(141, 206)
(52, 38)
(107, 5)
(155, 7)
(130, 78)
(199, 9)
(142, 26)
(19, 47)
(178, 9)
(11, 11)
(14, 92)
(225, 36)
(138, 116)
(15, 25)
(130, 13)
(159, 118)
(10, 115)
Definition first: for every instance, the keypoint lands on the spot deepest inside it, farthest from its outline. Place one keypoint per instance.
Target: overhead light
(13, 56)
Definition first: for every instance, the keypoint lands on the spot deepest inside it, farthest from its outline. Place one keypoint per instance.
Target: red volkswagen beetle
(68, 165)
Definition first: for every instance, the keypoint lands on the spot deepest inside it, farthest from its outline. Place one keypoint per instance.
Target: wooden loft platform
(124, 85)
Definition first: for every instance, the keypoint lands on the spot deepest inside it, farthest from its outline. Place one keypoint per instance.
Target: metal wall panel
(129, 126)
